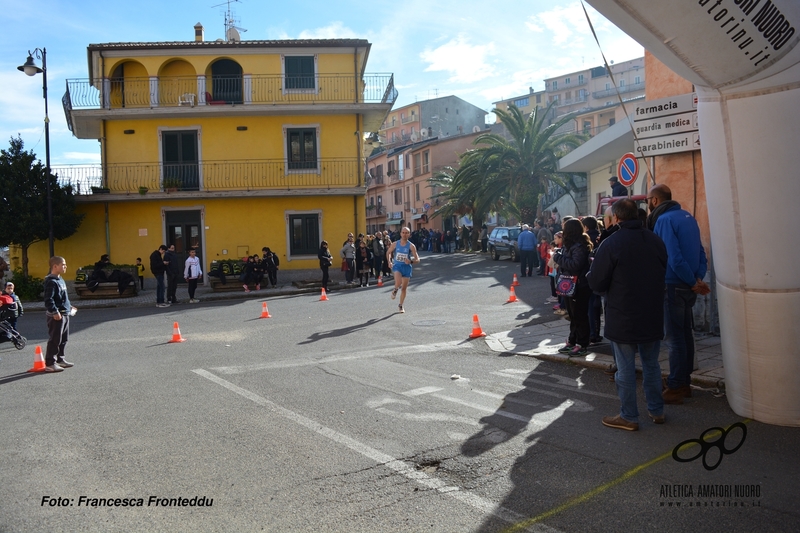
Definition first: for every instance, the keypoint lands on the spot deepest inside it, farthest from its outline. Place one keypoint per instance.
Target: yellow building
(227, 146)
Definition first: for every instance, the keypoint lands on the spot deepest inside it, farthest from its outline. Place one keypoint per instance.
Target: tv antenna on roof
(231, 30)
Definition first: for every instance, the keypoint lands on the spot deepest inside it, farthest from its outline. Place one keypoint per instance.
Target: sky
(482, 52)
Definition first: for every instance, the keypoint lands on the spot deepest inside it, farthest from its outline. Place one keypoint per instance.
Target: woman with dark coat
(573, 260)
(325, 261)
(363, 262)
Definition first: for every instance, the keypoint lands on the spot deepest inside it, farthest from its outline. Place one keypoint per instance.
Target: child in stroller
(8, 312)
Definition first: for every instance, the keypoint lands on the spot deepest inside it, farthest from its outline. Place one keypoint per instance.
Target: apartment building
(224, 146)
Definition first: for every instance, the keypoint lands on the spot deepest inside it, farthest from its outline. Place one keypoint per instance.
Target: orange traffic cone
(380, 281)
(515, 283)
(512, 297)
(176, 333)
(38, 361)
(476, 328)
(324, 297)
(265, 311)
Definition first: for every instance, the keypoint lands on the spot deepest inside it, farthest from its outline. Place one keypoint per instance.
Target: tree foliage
(508, 176)
(23, 201)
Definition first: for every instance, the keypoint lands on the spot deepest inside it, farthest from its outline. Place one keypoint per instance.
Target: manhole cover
(428, 323)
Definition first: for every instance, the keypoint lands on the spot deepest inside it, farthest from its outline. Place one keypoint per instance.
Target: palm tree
(510, 175)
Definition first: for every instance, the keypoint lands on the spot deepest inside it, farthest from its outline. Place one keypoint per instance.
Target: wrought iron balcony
(409, 119)
(197, 91)
(605, 93)
(210, 176)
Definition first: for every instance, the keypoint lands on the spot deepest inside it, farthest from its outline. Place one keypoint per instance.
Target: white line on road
(346, 356)
(401, 467)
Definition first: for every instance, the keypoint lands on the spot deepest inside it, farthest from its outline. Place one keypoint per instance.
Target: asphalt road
(346, 416)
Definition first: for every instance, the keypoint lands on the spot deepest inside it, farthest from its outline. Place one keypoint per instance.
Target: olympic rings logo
(706, 446)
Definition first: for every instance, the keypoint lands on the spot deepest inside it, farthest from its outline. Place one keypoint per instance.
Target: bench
(105, 289)
(232, 284)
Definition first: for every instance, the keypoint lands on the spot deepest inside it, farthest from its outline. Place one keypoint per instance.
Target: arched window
(226, 82)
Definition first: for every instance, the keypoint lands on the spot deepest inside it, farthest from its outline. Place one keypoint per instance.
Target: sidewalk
(544, 340)
(289, 282)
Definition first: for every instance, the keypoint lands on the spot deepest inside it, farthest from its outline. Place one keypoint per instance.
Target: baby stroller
(8, 311)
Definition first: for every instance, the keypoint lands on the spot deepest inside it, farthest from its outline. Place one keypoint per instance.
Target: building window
(522, 102)
(608, 86)
(538, 98)
(426, 161)
(637, 80)
(568, 95)
(555, 85)
(301, 148)
(380, 200)
(180, 160)
(299, 72)
(398, 196)
(416, 191)
(580, 79)
(567, 81)
(622, 83)
(304, 233)
(417, 164)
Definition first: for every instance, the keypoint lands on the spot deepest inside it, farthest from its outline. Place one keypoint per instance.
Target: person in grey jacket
(348, 253)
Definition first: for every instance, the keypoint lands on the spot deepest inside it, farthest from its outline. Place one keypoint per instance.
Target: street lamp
(31, 69)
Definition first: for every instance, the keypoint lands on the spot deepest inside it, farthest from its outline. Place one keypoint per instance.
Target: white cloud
(466, 63)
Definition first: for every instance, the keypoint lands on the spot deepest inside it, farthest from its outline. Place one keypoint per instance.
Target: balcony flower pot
(100, 190)
(143, 190)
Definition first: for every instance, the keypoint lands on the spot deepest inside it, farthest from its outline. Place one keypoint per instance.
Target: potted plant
(172, 184)
(143, 190)
(100, 190)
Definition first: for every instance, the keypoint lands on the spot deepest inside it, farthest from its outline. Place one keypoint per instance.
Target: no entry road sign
(628, 169)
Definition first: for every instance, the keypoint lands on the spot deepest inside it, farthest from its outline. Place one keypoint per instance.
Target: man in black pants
(58, 311)
(173, 272)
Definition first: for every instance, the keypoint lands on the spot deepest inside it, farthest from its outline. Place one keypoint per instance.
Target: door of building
(184, 231)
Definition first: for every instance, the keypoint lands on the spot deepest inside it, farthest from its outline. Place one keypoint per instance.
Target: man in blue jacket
(526, 242)
(686, 268)
(629, 268)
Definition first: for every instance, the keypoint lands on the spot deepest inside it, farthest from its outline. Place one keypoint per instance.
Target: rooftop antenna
(231, 30)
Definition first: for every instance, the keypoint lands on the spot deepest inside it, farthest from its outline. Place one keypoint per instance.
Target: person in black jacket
(573, 260)
(158, 268)
(271, 264)
(174, 271)
(325, 261)
(617, 189)
(629, 269)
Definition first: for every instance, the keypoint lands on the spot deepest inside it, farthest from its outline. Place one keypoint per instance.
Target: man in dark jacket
(629, 268)
(617, 189)
(174, 271)
(158, 268)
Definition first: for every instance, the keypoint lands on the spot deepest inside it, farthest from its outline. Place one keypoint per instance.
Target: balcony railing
(209, 176)
(605, 93)
(406, 120)
(181, 91)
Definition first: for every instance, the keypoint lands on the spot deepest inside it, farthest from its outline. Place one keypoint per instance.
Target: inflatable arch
(743, 58)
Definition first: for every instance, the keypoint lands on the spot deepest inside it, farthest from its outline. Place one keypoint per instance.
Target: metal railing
(406, 120)
(181, 91)
(209, 176)
(605, 93)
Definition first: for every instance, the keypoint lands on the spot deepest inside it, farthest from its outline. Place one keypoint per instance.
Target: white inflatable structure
(743, 58)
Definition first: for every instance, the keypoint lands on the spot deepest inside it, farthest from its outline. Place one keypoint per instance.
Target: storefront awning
(417, 217)
(394, 222)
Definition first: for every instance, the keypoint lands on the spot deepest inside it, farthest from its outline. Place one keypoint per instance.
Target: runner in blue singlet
(401, 254)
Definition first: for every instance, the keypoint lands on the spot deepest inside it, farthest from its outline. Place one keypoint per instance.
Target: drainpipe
(103, 161)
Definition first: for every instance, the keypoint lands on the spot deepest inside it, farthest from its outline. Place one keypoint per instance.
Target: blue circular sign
(628, 169)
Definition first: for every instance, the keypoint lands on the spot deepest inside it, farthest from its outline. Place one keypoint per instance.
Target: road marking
(569, 384)
(345, 356)
(401, 467)
(421, 391)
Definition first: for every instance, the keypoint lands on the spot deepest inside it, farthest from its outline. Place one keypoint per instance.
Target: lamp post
(31, 69)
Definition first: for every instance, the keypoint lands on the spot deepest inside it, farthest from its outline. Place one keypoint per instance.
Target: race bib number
(401, 258)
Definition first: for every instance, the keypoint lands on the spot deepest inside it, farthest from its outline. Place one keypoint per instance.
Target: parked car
(503, 241)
